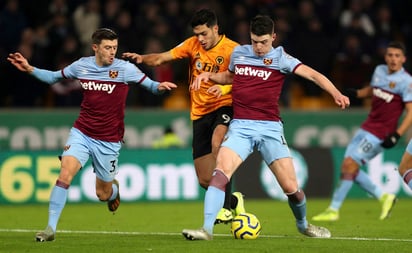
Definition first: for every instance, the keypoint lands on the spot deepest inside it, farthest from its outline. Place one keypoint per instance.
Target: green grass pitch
(156, 227)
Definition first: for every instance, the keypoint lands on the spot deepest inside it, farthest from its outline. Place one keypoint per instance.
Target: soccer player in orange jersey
(211, 112)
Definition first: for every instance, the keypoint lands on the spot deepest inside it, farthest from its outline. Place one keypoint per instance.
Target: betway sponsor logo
(382, 94)
(91, 85)
(249, 71)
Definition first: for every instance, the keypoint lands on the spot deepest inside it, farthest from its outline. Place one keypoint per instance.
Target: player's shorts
(265, 136)
(363, 147)
(104, 154)
(203, 130)
(409, 147)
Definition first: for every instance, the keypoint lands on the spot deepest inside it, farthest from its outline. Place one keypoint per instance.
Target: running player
(391, 92)
(208, 51)
(257, 72)
(98, 131)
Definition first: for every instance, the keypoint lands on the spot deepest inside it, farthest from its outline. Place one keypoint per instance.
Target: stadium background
(35, 118)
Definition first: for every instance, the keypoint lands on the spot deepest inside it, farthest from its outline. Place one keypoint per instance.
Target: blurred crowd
(342, 39)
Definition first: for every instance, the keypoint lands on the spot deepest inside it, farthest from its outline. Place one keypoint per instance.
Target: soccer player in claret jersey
(98, 131)
(211, 109)
(257, 72)
(391, 92)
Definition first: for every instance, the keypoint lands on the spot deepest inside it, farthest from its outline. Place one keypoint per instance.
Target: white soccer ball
(245, 226)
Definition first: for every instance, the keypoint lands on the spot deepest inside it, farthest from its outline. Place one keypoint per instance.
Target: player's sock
(407, 177)
(114, 192)
(58, 199)
(340, 193)
(214, 199)
(228, 196)
(366, 183)
(297, 202)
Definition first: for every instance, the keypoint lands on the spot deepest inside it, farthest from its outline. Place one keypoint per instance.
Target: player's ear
(94, 47)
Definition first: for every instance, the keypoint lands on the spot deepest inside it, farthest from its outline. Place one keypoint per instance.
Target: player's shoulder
(86, 60)
(190, 42)
(122, 63)
(381, 68)
(229, 42)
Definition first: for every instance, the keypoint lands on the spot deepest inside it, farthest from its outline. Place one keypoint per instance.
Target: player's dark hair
(202, 17)
(103, 34)
(262, 25)
(397, 45)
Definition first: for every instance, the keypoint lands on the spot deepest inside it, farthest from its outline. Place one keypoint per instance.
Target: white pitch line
(6, 230)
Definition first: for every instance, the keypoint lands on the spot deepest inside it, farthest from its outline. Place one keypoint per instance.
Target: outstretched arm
(157, 87)
(149, 59)
(21, 63)
(323, 82)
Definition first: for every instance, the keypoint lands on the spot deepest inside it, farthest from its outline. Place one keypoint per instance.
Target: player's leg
(233, 151)
(387, 200)
(105, 163)
(285, 174)
(73, 158)
(69, 167)
(233, 201)
(405, 167)
(215, 194)
(363, 147)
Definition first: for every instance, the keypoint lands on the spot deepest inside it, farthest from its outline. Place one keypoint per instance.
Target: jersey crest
(113, 73)
(267, 61)
(220, 60)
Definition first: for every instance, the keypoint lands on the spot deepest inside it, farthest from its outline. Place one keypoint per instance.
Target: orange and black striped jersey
(215, 60)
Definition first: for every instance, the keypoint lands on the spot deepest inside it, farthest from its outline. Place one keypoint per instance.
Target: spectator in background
(111, 10)
(313, 47)
(355, 11)
(12, 24)
(352, 66)
(86, 19)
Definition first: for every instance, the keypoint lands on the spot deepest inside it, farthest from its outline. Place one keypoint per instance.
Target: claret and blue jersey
(390, 93)
(258, 82)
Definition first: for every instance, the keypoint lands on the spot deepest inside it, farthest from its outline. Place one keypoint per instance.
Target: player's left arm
(407, 120)
(391, 139)
(323, 82)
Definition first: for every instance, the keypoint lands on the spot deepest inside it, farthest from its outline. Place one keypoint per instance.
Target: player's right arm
(21, 63)
(149, 59)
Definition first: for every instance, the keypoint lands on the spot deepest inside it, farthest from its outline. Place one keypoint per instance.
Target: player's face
(395, 59)
(105, 52)
(262, 44)
(208, 37)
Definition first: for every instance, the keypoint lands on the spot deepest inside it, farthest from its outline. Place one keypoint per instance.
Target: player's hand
(136, 58)
(20, 62)
(163, 86)
(342, 101)
(215, 90)
(390, 140)
(203, 77)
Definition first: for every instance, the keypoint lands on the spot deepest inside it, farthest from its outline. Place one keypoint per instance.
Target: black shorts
(203, 129)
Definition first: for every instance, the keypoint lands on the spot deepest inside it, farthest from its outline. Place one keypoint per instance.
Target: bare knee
(349, 169)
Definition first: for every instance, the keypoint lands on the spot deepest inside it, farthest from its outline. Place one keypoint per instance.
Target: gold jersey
(215, 60)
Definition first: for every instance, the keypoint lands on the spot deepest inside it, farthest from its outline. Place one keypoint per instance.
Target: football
(245, 226)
